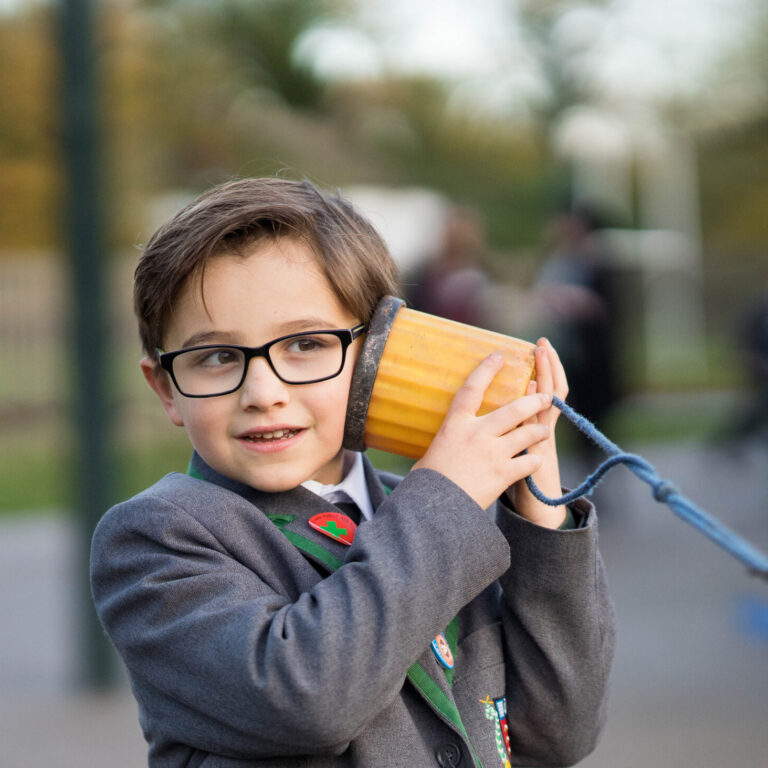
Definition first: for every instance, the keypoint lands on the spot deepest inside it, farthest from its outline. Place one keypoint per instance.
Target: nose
(262, 389)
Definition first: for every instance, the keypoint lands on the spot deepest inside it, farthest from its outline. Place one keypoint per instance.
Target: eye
(305, 345)
(214, 358)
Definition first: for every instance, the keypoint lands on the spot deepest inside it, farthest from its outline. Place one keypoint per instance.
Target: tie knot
(350, 509)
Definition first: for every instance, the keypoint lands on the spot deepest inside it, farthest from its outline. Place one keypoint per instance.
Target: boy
(251, 637)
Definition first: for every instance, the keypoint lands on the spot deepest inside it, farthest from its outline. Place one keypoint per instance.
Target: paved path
(690, 683)
(690, 687)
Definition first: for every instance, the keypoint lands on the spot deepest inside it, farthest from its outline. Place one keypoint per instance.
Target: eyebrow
(283, 329)
(208, 337)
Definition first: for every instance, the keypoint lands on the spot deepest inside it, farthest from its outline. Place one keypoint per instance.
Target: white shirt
(352, 488)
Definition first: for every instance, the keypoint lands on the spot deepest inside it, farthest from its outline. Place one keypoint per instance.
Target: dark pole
(86, 255)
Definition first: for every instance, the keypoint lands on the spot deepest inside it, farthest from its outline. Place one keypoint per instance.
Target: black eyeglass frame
(345, 335)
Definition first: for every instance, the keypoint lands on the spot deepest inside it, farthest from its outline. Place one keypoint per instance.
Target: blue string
(663, 491)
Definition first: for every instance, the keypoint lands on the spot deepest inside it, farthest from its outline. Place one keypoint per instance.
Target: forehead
(259, 292)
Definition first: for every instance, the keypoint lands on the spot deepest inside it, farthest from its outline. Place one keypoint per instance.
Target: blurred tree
(260, 37)
(480, 161)
(166, 98)
(30, 179)
(565, 84)
(194, 92)
(539, 19)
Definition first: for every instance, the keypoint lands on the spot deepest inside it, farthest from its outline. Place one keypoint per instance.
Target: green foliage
(28, 152)
(261, 36)
(490, 164)
(734, 176)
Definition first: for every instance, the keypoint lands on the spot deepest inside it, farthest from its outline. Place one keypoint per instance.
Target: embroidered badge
(442, 651)
(339, 527)
(496, 712)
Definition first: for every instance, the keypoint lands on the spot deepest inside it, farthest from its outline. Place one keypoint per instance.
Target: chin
(274, 482)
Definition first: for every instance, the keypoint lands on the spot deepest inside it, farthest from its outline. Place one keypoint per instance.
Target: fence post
(85, 240)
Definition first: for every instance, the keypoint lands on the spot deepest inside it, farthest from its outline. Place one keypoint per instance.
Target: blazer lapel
(427, 676)
(290, 511)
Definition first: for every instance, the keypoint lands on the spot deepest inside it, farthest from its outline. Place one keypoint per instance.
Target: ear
(162, 386)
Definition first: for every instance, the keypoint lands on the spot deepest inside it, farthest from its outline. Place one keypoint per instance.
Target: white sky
(635, 49)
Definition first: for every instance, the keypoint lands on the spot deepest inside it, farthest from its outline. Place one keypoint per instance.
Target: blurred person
(575, 289)
(452, 283)
(752, 342)
(284, 603)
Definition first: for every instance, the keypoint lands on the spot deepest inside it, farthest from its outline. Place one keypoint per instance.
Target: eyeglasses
(211, 370)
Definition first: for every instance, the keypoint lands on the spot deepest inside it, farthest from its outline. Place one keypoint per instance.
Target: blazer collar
(284, 502)
(291, 510)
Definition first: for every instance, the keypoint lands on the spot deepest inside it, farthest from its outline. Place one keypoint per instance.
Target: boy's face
(275, 290)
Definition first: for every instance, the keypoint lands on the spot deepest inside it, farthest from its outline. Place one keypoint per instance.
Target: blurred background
(593, 171)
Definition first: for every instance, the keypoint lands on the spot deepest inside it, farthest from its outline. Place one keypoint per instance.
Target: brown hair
(349, 251)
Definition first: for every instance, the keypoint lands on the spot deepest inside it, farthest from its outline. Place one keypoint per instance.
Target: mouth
(271, 436)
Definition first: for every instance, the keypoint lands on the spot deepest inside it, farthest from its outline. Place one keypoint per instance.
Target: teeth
(278, 434)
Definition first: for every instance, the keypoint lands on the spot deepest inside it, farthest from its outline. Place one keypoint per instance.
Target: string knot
(663, 490)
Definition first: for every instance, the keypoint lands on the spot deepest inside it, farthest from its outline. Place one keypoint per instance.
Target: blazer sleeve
(559, 633)
(229, 657)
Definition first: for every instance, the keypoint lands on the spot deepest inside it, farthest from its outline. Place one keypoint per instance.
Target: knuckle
(530, 404)
(471, 386)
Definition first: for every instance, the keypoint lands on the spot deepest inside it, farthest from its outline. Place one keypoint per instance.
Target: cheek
(202, 417)
(330, 406)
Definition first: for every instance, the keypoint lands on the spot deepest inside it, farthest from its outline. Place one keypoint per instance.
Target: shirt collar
(352, 487)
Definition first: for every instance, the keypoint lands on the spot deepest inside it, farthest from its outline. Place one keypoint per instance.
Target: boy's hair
(243, 213)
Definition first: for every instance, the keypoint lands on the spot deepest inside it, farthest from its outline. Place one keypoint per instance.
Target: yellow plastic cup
(409, 369)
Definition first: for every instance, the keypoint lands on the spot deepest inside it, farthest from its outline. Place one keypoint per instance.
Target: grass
(40, 481)
(33, 481)
(646, 424)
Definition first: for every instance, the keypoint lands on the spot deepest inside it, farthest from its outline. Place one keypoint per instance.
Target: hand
(550, 379)
(484, 455)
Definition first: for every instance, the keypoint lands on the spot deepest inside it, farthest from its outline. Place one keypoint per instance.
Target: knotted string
(663, 491)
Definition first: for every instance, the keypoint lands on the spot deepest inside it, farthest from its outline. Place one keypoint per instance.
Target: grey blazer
(245, 650)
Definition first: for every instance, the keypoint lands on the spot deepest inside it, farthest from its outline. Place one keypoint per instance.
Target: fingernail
(495, 357)
(546, 399)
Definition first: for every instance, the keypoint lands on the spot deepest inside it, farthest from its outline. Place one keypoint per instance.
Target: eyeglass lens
(296, 360)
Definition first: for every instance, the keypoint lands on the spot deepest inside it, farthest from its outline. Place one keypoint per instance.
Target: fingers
(560, 381)
(487, 454)
(526, 464)
(532, 389)
(550, 374)
(544, 380)
(520, 411)
(469, 397)
(525, 437)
